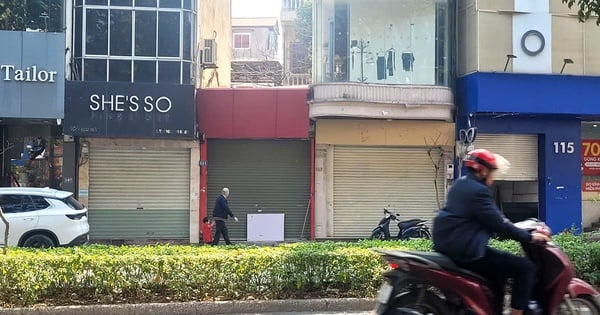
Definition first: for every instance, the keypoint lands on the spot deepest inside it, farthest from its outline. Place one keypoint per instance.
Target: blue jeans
(498, 266)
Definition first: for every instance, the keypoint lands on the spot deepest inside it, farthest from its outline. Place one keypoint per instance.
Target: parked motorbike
(430, 283)
(414, 228)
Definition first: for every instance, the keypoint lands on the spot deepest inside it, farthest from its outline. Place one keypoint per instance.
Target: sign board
(129, 110)
(32, 75)
(590, 157)
(590, 186)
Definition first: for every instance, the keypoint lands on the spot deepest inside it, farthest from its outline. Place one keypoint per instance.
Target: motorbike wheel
(377, 235)
(426, 304)
(584, 305)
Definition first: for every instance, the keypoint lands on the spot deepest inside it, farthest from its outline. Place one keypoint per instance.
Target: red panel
(254, 113)
(215, 112)
(266, 113)
(292, 113)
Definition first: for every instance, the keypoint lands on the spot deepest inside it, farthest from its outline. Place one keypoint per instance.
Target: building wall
(259, 39)
(484, 47)
(215, 23)
(383, 132)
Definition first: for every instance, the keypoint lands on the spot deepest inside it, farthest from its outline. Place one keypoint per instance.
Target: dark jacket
(221, 210)
(462, 229)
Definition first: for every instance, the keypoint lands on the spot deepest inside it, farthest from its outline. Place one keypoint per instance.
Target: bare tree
(438, 157)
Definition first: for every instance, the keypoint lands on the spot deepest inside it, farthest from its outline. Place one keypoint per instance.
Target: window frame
(241, 42)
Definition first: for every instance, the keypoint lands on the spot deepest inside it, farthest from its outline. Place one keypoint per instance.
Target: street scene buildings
(145, 109)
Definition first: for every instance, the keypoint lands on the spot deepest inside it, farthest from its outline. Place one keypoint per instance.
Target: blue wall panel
(528, 93)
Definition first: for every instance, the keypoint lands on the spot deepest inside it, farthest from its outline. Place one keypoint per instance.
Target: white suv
(42, 217)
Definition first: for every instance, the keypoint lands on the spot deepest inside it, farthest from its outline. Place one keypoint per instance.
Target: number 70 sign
(590, 156)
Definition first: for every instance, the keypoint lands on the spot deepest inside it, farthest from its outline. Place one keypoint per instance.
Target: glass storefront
(384, 41)
(32, 156)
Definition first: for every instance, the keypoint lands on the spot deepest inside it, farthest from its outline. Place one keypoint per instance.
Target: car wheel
(38, 240)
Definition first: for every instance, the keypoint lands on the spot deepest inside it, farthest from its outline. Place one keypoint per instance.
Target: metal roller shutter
(368, 179)
(270, 175)
(520, 150)
(137, 193)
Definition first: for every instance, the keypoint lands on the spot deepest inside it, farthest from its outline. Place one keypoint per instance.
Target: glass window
(145, 33)
(39, 202)
(78, 30)
(241, 41)
(41, 15)
(188, 19)
(145, 3)
(168, 72)
(96, 42)
(187, 4)
(11, 203)
(386, 41)
(169, 4)
(96, 2)
(119, 70)
(187, 73)
(94, 69)
(168, 34)
(120, 32)
(126, 3)
(73, 203)
(144, 71)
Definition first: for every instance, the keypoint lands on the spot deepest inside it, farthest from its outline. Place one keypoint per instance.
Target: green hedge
(161, 273)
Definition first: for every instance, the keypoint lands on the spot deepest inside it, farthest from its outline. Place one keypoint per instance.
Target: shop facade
(136, 159)
(130, 112)
(32, 82)
(257, 143)
(526, 91)
(383, 109)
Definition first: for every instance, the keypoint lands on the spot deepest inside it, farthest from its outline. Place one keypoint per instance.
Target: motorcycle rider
(462, 229)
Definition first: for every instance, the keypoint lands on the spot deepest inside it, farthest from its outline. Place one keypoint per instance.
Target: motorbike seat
(447, 264)
(408, 223)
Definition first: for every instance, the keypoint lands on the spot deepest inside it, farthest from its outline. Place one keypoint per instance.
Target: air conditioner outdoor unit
(209, 52)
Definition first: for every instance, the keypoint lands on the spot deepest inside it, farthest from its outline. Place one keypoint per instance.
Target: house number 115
(564, 147)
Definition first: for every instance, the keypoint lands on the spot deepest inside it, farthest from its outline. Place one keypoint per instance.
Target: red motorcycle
(430, 283)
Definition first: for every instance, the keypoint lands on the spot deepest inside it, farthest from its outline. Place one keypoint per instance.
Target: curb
(188, 308)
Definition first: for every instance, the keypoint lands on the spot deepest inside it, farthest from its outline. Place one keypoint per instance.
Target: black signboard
(129, 110)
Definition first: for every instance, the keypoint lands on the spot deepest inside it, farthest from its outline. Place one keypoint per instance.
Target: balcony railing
(350, 99)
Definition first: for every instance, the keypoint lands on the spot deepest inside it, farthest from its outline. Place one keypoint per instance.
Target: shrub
(134, 274)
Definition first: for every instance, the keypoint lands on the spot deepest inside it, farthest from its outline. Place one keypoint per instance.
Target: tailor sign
(129, 110)
(32, 75)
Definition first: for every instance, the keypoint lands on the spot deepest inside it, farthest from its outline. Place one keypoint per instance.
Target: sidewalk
(190, 308)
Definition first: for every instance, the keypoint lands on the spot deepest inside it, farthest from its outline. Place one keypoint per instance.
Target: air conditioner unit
(209, 52)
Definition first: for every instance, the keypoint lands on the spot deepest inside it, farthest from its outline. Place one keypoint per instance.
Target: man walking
(220, 213)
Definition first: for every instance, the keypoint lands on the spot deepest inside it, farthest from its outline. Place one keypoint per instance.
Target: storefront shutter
(139, 193)
(270, 176)
(520, 150)
(368, 179)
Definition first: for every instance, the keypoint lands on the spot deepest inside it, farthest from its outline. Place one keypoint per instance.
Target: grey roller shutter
(137, 193)
(268, 175)
(520, 150)
(368, 179)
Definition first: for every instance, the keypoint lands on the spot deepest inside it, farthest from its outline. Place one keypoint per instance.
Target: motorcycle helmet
(478, 158)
